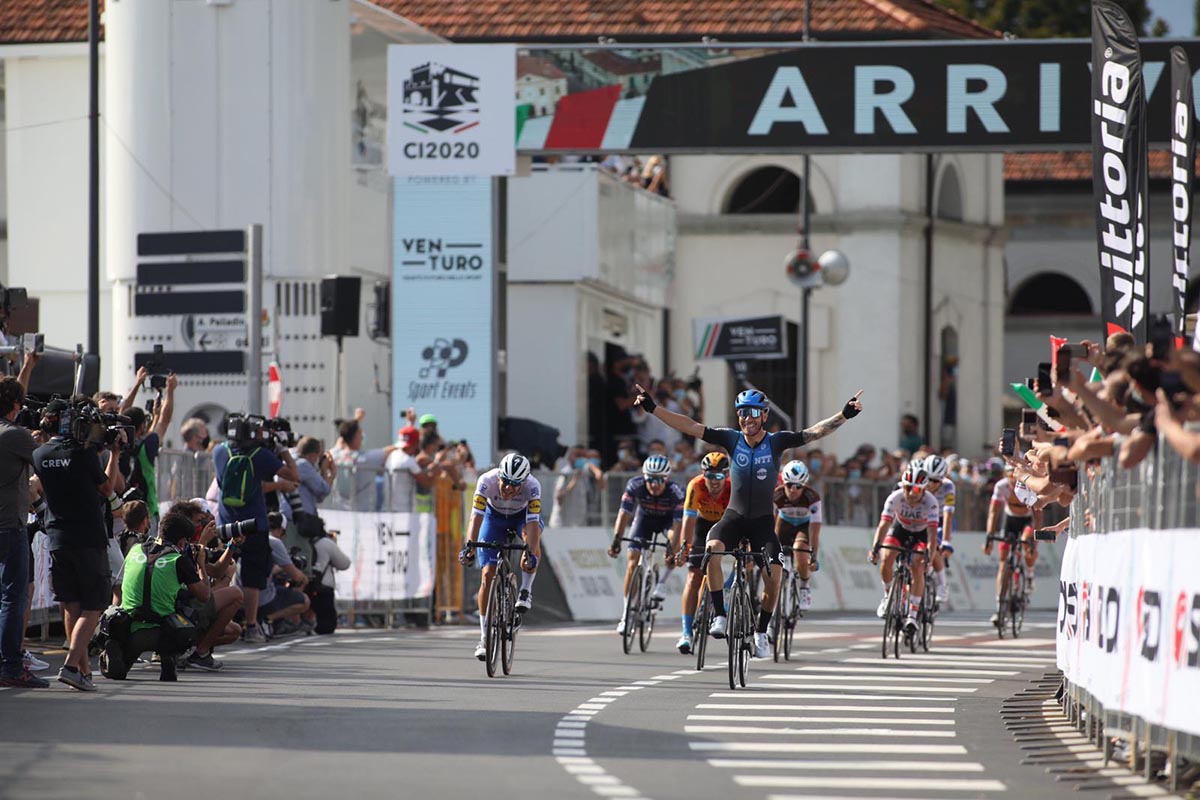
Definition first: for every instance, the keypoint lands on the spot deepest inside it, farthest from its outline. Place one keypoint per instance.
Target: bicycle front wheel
(700, 627)
(746, 640)
(1002, 611)
(495, 626)
(778, 625)
(1017, 611)
(927, 615)
(649, 611)
(891, 615)
(508, 644)
(733, 638)
(633, 610)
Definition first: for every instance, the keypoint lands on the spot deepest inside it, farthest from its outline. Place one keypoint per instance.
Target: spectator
(578, 480)
(148, 433)
(16, 460)
(107, 402)
(628, 459)
(428, 425)
(284, 600)
(405, 474)
(317, 472)
(194, 432)
(357, 469)
(654, 176)
(910, 433)
(620, 402)
(598, 434)
(683, 461)
(327, 558)
(137, 524)
(432, 459)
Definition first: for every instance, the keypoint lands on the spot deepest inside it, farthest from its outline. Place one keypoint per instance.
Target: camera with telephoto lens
(246, 430)
(280, 431)
(30, 415)
(231, 530)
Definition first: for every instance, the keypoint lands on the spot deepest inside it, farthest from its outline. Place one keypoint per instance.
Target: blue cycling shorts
(498, 529)
(645, 526)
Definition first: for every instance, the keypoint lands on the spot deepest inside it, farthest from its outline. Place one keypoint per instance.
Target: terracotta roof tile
(1069, 166)
(541, 67)
(29, 21)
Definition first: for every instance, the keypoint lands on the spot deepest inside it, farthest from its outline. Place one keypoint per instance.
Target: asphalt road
(365, 714)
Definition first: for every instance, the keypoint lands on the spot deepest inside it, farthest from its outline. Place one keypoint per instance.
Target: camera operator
(317, 474)
(16, 459)
(75, 488)
(242, 500)
(149, 430)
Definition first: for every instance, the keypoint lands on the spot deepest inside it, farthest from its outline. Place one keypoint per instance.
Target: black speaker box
(339, 305)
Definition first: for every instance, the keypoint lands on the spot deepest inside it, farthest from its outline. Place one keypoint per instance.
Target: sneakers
(719, 626)
(805, 599)
(254, 635)
(996, 619)
(684, 645)
(621, 626)
(205, 662)
(284, 627)
(910, 625)
(308, 627)
(660, 592)
(879, 612)
(524, 601)
(26, 680)
(73, 678)
(762, 647)
(112, 662)
(943, 593)
(481, 650)
(33, 663)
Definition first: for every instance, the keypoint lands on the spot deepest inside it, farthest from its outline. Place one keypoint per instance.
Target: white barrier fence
(1129, 623)
(592, 581)
(392, 555)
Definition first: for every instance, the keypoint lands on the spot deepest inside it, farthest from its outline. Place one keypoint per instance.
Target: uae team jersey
(699, 502)
(1018, 499)
(912, 517)
(805, 509)
(488, 499)
(753, 469)
(669, 504)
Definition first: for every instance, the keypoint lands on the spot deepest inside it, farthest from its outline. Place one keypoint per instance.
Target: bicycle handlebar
(498, 546)
(651, 543)
(808, 550)
(1011, 539)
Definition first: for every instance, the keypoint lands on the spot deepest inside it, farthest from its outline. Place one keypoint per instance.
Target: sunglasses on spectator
(715, 476)
(752, 413)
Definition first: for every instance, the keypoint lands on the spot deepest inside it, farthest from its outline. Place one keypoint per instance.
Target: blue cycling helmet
(751, 398)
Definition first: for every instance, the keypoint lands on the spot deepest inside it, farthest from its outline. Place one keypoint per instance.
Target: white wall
(544, 358)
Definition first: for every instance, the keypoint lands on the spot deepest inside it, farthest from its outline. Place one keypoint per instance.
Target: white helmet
(656, 466)
(914, 477)
(936, 466)
(514, 468)
(794, 473)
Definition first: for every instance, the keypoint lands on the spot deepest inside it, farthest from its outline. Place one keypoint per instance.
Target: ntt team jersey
(753, 469)
(488, 499)
(668, 505)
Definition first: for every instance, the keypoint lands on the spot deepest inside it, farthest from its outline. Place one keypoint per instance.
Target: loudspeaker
(339, 305)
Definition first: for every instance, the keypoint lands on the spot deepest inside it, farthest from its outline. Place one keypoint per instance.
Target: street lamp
(830, 269)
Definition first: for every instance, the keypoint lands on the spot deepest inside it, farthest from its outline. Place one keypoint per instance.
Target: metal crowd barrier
(1161, 493)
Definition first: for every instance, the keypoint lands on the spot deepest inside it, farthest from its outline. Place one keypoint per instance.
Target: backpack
(239, 483)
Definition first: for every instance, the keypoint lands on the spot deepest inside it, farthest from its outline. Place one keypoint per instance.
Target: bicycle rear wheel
(746, 640)
(928, 603)
(793, 617)
(649, 612)
(1002, 611)
(778, 623)
(495, 627)
(633, 612)
(508, 644)
(1016, 615)
(700, 627)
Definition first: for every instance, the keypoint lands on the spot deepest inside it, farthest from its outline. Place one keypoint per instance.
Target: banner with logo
(1183, 159)
(1129, 623)
(1119, 170)
(757, 337)
(450, 109)
(442, 306)
(392, 555)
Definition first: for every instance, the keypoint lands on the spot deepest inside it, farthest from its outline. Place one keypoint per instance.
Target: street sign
(755, 337)
(274, 390)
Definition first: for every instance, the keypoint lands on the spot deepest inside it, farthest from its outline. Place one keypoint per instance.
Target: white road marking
(859, 748)
(841, 695)
(961, 661)
(863, 687)
(847, 766)
(918, 784)
(855, 720)
(759, 731)
(791, 676)
(784, 707)
(839, 668)
(988, 650)
(569, 733)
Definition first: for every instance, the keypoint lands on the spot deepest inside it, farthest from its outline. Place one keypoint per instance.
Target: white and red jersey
(1017, 498)
(914, 517)
(488, 498)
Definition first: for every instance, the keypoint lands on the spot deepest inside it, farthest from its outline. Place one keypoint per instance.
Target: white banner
(450, 109)
(392, 555)
(1129, 623)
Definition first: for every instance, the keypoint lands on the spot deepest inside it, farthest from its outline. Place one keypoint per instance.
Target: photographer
(327, 558)
(16, 459)
(75, 489)
(137, 525)
(149, 430)
(284, 597)
(317, 472)
(250, 457)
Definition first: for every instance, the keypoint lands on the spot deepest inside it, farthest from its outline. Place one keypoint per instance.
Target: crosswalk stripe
(847, 766)
(921, 784)
(864, 687)
(791, 676)
(995, 651)
(854, 720)
(841, 695)
(789, 707)
(961, 661)
(859, 748)
(839, 668)
(759, 730)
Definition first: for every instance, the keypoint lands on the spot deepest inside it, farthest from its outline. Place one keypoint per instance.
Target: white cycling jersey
(944, 494)
(912, 517)
(488, 498)
(1014, 495)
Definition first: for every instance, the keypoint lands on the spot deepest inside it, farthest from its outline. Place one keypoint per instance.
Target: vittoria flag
(1183, 159)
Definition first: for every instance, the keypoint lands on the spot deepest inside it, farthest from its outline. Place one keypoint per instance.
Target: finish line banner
(392, 555)
(1129, 623)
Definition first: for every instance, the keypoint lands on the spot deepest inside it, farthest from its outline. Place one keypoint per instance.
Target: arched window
(1049, 293)
(766, 190)
(949, 197)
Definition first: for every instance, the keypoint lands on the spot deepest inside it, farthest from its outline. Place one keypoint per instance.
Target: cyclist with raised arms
(941, 488)
(909, 520)
(799, 518)
(654, 504)
(1021, 519)
(703, 504)
(508, 501)
(750, 516)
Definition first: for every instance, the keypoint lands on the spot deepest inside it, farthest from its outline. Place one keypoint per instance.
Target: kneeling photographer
(215, 551)
(252, 455)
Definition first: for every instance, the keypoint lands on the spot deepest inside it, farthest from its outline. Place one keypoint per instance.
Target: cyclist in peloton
(654, 503)
(706, 499)
(911, 514)
(508, 500)
(750, 515)
(941, 488)
(799, 517)
(1020, 521)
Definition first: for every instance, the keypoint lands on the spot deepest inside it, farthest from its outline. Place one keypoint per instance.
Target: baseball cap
(427, 419)
(409, 436)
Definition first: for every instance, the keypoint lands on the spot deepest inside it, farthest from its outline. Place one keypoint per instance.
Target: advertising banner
(442, 306)
(1119, 170)
(392, 555)
(1183, 157)
(450, 109)
(757, 337)
(1129, 623)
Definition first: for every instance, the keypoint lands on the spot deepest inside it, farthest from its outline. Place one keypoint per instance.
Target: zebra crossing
(857, 725)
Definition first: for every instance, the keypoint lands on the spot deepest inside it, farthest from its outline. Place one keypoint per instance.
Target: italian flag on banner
(708, 340)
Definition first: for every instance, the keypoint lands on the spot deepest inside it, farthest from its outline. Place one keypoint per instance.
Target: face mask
(205, 442)
(580, 463)
(680, 394)
(814, 463)
(623, 454)
(855, 474)
(678, 458)
(594, 461)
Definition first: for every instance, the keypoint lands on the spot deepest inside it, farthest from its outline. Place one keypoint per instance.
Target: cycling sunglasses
(752, 413)
(656, 481)
(715, 476)
(511, 484)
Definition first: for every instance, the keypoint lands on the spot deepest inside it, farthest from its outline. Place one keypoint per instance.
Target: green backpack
(238, 484)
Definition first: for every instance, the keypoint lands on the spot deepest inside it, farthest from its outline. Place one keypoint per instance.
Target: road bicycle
(927, 613)
(641, 607)
(500, 637)
(896, 608)
(700, 624)
(739, 632)
(787, 609)
(1014, 586)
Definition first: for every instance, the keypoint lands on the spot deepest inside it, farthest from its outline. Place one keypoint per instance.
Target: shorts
(903, 537)
(733, 528)
(643, 529)
(1014, 530)
(203, 614)
(256, 562)
(284, 597)
(498, 529)
(82, 576)
(788, 531)
(696, 554)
